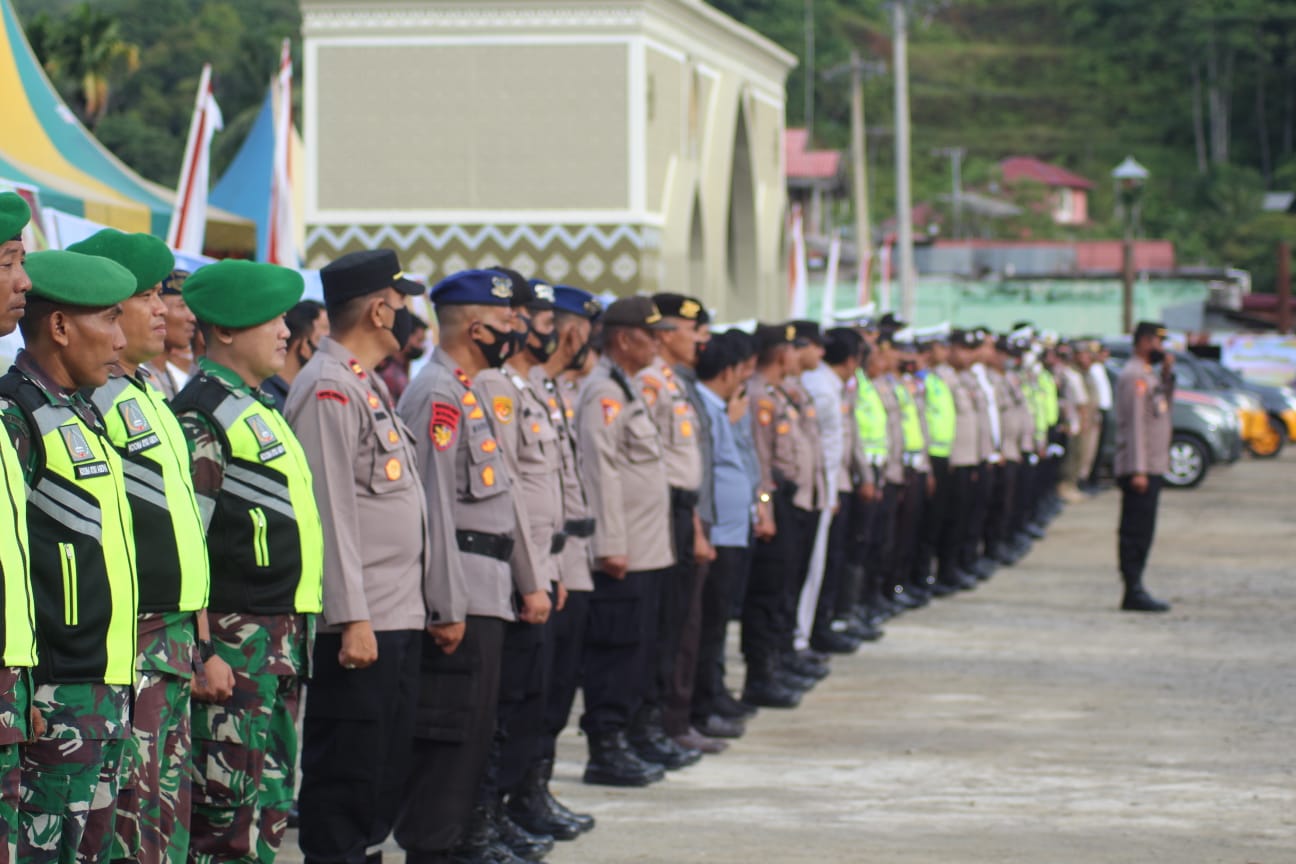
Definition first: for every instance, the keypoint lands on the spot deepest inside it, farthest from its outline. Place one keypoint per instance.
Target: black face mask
(414, 354)
(402, 325)
(548, 344)
(501, 349)
(1155, 356)
(578, 360)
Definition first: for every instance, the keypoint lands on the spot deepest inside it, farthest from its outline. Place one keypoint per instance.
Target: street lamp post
(1130, 178)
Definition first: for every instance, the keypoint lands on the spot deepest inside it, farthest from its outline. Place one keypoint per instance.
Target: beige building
(619, 145)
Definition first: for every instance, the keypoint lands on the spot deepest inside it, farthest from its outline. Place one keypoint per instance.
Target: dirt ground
(1027, 721)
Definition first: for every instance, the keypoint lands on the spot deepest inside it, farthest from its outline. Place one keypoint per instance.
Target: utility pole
(858, 70)
(809, 72)
(955, 155)
(904, 196)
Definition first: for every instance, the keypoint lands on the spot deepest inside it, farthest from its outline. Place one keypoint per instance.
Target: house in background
(1068, 193)
(815, 180)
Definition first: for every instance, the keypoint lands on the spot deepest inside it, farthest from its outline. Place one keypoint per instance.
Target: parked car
(1191, 374)
(1207, 432)
(1279, 404)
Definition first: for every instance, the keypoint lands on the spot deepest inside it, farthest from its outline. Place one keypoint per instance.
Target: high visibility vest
(18, 615)
(170, 544)
(1048, 388)
(941, 416)
(265, 538)
(82, 546)
(909, 421)
(870, 416)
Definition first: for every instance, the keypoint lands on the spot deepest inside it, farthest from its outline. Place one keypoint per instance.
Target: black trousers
(1096, 470)
(1001, 505)
(954, 534)
(836, 562)
(722, 582)
(454, 730)
(356, 734)
(804, 525)
(1137, 528)
(566, 646)
(1024, 503)
(524, 681)
(982, 484)
(681, 623)
(773, 563)
(880, 551)
(620, 656)
(913, 506)
(933, 524)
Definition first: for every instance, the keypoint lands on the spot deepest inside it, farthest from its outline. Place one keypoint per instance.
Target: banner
(1265, 358)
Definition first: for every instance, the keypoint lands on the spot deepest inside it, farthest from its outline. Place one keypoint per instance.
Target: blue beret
(577, 301)
(473, 288)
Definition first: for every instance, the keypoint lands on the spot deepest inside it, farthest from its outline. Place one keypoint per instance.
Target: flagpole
(829, 305)
(280, 244)
(189, 215)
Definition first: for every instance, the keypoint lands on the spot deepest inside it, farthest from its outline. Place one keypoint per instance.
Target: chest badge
(488, 476)
(133, 416)
(393, 437)
(374, 401)
(503, 408)
(77, 446)
(261, 430)
(393, 469)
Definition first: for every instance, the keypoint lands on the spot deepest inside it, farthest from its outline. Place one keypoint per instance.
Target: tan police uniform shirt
(1144, 420)
(854, 459)
(468, 487)
(676, 422)
(1009, 416)
(531, 448)
(895, 472)
(779, 438)
(366, 483)
(575, 562)
(625, 476)
(812, 433)
(982, 442)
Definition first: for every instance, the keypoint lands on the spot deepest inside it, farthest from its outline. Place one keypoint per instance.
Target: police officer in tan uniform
(661, 732)
(478, 554)
(622, 465)
(1144, 427)
(359, 719)
(965, 459)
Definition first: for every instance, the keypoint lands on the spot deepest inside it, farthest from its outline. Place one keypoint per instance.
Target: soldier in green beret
(257, 500)
(82, 553)
(17, 633)
(153, 804)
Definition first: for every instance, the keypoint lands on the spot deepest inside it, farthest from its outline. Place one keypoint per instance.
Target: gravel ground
(1027, 721)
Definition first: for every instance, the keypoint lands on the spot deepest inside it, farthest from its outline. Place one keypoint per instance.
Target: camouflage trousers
(10, 775)
(245, 753)
(153, 803)
(69, 781)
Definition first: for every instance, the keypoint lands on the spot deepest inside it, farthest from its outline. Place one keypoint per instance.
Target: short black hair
(300, 319)
(742, 343)
(840, 345)
(718, 356)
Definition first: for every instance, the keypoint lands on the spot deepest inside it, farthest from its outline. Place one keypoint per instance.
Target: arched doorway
(743, 271)
(697, 275)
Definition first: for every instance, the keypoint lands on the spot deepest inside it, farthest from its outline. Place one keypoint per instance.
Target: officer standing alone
(1144, 427)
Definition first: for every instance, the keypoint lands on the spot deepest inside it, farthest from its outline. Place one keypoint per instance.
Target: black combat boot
(521, 842)
(529, 807)
(651, 742)
(480, 843)
(613, 763)
(764, 689)
(1138, 600)
(583, 821)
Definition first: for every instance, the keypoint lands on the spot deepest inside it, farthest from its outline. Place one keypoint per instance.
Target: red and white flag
(281, 247)
(798, 269)
(189, 218)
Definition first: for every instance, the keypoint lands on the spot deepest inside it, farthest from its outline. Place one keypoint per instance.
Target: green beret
(73, 279)
(14, 216)
(234, 293)
(143, 254)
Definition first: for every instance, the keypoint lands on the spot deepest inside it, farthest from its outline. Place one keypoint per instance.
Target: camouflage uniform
(70, 775)
(245, 748)
(15, 703)
(155, 798)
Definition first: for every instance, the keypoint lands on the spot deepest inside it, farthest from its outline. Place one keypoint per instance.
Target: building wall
(588, 142)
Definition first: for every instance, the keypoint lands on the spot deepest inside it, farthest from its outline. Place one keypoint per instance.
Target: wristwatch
(764, 498)
(206, 650)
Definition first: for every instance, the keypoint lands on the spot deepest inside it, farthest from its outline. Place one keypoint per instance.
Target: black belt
(558, 543)
(579, 528)
(498, 546)
(683, 498)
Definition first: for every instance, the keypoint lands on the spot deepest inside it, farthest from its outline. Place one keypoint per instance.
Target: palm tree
(86, 50)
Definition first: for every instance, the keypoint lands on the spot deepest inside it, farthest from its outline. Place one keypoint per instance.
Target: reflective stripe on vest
(83, 551)
(941, 416)
(870, 415)
(18, 621)
(170, 543)
(266, 525)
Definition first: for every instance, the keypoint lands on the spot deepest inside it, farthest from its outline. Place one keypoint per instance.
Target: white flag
(189, 218)
(280, 246)
(798, 275)
(827, 310)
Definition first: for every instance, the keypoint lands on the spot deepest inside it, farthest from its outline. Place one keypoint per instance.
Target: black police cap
(358, 274)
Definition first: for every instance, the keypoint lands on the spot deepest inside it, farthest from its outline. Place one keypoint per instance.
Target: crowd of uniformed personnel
(565, 497)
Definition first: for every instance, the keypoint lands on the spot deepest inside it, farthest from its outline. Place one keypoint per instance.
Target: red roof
(1016, 168)
(805, 164)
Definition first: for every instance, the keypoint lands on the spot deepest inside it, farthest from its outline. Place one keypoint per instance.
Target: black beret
(358, 274)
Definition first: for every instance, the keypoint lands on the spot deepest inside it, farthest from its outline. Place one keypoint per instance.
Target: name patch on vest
(148, 442)
(92, 469)
(271, 453)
